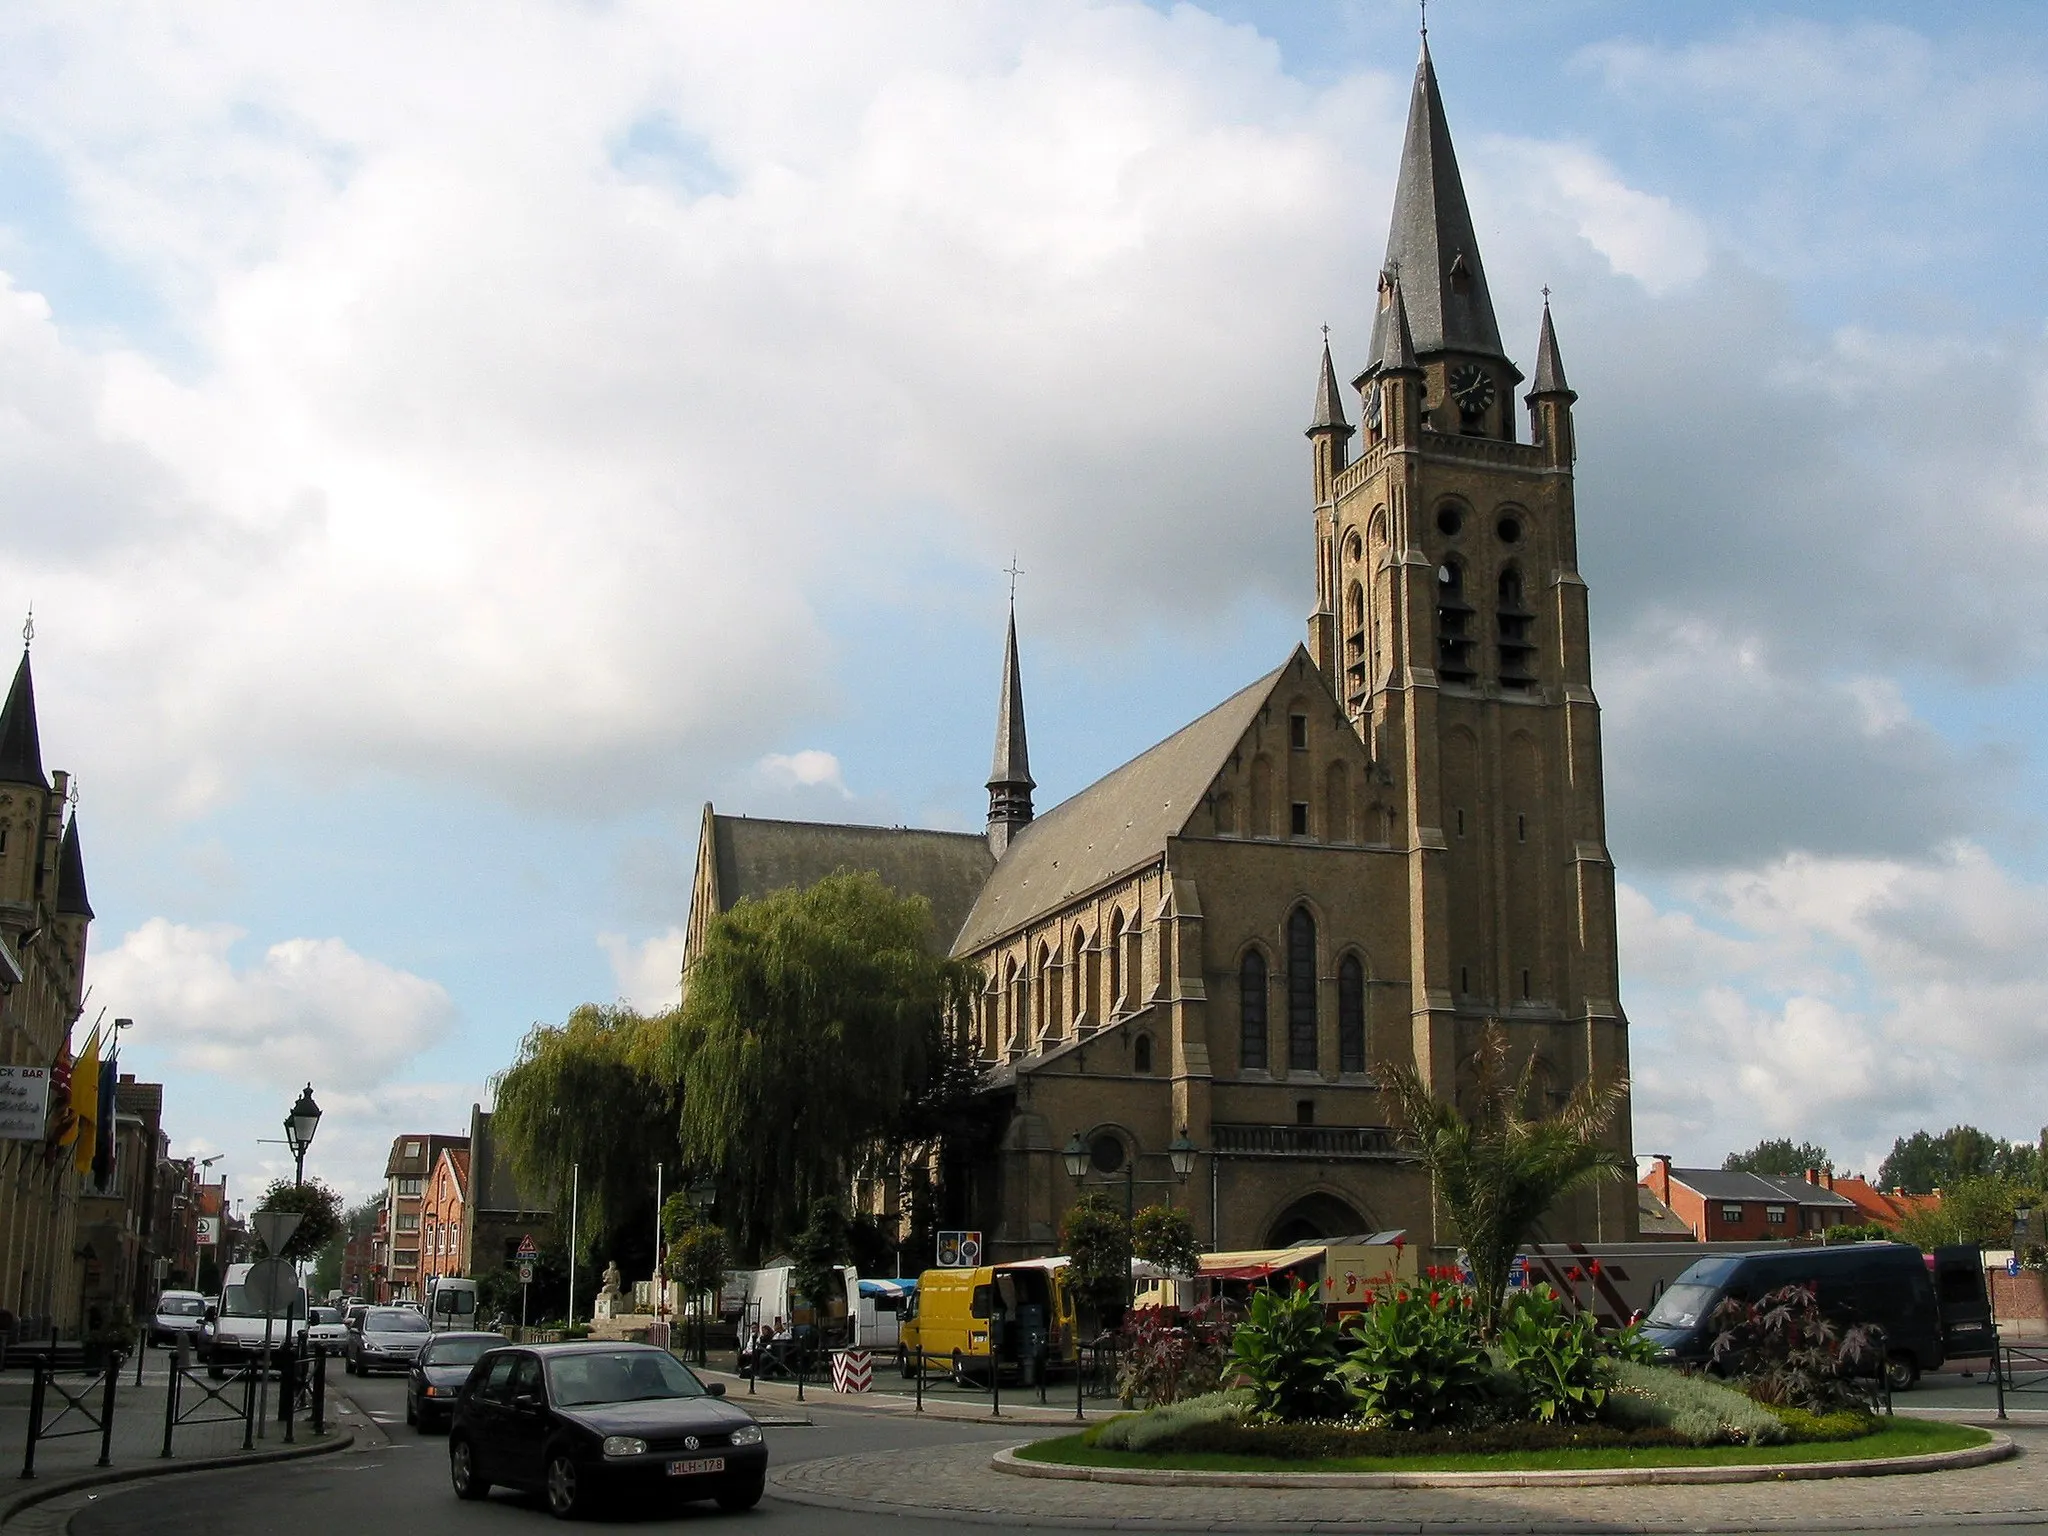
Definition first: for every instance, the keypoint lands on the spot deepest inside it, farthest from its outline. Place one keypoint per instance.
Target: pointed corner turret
(1396, 335)
(1549, 366)
(21, 745)
(72, 900)
(1329, 415)
(1009, 777)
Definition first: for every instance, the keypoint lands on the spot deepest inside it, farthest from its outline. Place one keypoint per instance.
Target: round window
(1106, 1153)
(1449, 520)
(1509, 530)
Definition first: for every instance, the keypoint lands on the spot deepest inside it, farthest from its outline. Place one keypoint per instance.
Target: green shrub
(1697, 1410)
(1415, 1359)
(1148, 1431)
(1558, 1356)
(1843, 1424)
(1319, 1442)
(1286, 1354)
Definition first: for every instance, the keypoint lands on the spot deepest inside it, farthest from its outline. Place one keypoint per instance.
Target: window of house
(1297, 732)
(1251, 1012)
(1301, 991)
(1297, 818)
(1775, 1215)
(1464, 978)
(412, 1149)
(1304, 1111)
(409, 1223)
(1141, 1053)
(1350, 1015)
(1521, 827)
(1525, 984)
(409, 1188)
(1106, 1153)
(1116, 961)
(1731, 1213)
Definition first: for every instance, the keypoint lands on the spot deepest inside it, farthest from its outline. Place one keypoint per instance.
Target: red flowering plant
(1414, 1359)
(1165, 1358)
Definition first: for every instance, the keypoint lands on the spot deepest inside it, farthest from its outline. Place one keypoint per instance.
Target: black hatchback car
(576, 1422)
(440, 1371)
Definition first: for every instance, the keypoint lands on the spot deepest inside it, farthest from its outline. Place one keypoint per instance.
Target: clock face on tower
(1371, 405)
(1472, 388)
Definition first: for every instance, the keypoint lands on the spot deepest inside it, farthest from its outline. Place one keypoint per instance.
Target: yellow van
(948, 1324)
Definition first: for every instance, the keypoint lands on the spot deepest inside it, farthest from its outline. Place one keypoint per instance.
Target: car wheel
(960, 1370)
(745, 1496)
(564, 1487)
(1901, 1372)
(462, 1471)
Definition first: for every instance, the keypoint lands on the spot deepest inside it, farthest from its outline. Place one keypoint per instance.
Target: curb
(1999, 1448)
(892, 1403)
(28, 1498)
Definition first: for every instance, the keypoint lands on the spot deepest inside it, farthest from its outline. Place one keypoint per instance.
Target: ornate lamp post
(1078, 1155)
(299, 1127)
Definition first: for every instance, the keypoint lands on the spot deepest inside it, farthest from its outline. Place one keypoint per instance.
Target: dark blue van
(1886, 1284)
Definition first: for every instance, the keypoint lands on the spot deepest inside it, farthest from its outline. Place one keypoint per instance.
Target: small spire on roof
(1329, 416)
(21, 746)
(1549, 366)
(1009, 777)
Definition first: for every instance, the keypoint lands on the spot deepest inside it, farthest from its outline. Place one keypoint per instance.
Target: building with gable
(1393, 838)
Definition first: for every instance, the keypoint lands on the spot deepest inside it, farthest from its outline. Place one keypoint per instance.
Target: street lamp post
(299, 1127)
(703, 1195)
(1180, 1153)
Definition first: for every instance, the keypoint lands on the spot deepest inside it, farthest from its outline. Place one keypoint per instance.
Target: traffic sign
(272, 1287)
(959, 1250)
(526, 1272)
(275, 1228)
(208, 1231)
(527, 1250)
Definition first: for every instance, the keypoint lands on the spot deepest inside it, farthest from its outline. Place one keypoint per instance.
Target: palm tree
(1498, 1169)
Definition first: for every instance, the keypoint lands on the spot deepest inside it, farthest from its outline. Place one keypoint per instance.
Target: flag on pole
(62, 1127)
(85, 1104)
(103, 1125)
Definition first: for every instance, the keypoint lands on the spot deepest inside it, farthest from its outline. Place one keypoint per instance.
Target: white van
(878, 1318)
(763, 1297)
(236, 1331)
(451, 1304)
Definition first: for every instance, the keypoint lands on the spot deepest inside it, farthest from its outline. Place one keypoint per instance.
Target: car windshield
(181, 1306)
(1683, 1306)
(235, 1302)
(459, 1351)
(321, 1316)
(630, 1376)
(395, 1320)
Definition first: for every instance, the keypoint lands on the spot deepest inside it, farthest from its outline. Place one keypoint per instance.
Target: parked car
(325, 1330)
(1886, 1284)
(438, 1372)
(388, 1340)
(575, 1422)
(179, 1314)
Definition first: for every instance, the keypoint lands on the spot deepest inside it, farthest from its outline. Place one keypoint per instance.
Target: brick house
(442, 1210)
(501, 1211)
(412, 1162)
(1722, 1206)
(1884, 1207)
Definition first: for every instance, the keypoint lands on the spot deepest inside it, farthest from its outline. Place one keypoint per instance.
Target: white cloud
(808, 769)
(305, 1009)
(649, 973)
(1641, 235)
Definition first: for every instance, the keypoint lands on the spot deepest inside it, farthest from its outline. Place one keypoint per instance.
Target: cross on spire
(28, 627)
(1425, 18)
(1013, 570)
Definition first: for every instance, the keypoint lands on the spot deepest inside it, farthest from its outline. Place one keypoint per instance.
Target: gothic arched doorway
(1314, 1218)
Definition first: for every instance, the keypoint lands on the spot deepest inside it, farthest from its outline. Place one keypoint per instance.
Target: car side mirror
(213, 1314)
(526, 1398)
(716, 1389)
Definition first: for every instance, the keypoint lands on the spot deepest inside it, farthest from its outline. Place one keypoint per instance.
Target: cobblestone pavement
(956, 1483)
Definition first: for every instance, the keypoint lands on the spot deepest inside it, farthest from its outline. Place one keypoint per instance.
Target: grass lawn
(1898, 1437)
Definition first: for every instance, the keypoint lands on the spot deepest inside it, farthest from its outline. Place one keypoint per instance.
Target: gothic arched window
(1301, 991)
(1350, 1015)
(1116, 964)
(1515, 623)
(1251, 1012)
(1141, 1054)
(1453, 624)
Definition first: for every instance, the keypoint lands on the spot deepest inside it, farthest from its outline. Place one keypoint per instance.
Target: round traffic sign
(271, 1287)
(970, 1252)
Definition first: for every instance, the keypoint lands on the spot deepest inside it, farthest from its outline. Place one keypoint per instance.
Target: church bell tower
(1451, 621)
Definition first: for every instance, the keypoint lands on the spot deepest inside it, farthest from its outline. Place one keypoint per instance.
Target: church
(1195, 968)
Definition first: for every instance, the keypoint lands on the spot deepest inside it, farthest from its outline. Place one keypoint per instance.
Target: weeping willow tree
(818, 1029)
(1498, 1169)
(595, 1094)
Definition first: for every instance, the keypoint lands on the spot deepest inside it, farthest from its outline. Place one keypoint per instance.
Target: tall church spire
(1009, 778)
(21, 746)
(1329, 415)
(1431, 246)
(1549, 366)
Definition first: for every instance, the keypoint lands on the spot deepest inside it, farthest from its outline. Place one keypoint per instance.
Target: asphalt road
(403, 1487)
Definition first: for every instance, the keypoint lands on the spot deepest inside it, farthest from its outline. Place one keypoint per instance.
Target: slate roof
(71, 898)
(21, 746)
(1725, 1184)
(1116, 824)
(1329, 399)
(1432, 234)
(1655, 1219)
(495, 1184)
(755, 857)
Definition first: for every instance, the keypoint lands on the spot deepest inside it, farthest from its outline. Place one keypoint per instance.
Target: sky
(445, 445)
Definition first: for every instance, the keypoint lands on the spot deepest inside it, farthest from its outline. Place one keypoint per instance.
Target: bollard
(248, 1409)
(171, 1403)
(319, 1389)
(35, 1414)
(800, 1368)
(920, 1376)
(107, 1411)
(141, 1349)
(288, 1387)
(1042, 1362)
(1079, 1379)
(1998, 1375)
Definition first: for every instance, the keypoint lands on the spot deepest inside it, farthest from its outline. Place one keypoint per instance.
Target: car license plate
(694, 1468)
